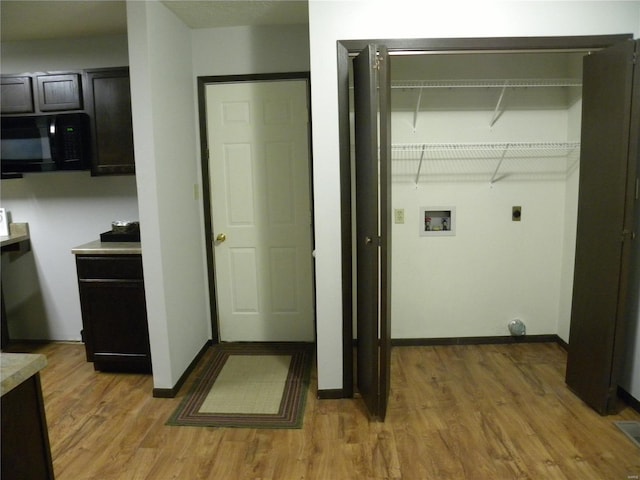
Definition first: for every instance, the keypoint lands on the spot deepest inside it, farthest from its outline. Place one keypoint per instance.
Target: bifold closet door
(608, 164)
(373, 226)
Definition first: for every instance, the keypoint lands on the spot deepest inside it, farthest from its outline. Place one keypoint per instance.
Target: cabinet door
(609, 149)
(26, 453)
(109, 105)
(16, 95)
(59, 92)
(115, 320)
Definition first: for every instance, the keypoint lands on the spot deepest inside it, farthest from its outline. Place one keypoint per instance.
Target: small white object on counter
(18, 232)
(4, 223)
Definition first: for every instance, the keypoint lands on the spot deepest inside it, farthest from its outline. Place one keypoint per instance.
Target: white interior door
(261, 209)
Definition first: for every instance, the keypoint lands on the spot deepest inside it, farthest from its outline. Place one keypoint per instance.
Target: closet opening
(475, 135)
(485, 149)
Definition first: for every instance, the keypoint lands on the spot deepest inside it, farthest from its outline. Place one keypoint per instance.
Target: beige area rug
(250, 385)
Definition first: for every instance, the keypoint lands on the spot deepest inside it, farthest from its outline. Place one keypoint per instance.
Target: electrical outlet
(516, 214)
(398, 215)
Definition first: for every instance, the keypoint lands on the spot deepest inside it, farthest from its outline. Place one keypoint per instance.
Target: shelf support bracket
(415, 113)
(495, 173)
(497, 112)
(420, 164)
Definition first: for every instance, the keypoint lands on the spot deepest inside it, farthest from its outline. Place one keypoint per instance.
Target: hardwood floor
(455, 412)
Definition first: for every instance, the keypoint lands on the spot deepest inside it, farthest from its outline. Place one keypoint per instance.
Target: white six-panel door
(261, 209)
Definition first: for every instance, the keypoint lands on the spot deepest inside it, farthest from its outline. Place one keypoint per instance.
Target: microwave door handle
(52, 134)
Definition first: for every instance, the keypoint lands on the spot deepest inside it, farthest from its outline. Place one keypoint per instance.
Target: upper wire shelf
(503, 84)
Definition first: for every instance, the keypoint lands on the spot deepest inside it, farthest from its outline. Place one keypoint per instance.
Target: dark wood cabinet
(114, 314)
(59, 92)
(103, 93)
(41, 93)
(16, 95)
(108, 102)
(25, 440)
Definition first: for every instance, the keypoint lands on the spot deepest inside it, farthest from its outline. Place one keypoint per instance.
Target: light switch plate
(398, 215)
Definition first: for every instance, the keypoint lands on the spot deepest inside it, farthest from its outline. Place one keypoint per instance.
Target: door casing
(203, 81)
(349, 48)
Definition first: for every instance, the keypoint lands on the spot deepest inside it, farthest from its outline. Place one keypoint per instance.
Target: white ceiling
(48, 19)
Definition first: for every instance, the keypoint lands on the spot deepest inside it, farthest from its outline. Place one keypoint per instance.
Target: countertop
(15, 368)
(98, 247)
(18, 232)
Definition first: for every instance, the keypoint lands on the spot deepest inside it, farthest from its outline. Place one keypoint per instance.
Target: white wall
(333, 21)
(63, 209)
(62, 54)
(492, 271)
(246, 50)
(167, 166)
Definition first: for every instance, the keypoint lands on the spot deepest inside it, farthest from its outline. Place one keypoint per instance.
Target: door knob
(221, 238)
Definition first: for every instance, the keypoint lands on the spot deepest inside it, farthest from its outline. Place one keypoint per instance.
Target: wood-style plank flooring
(455, 412)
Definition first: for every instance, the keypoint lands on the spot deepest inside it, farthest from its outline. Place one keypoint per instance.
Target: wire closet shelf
(483, 161)
(488, 83)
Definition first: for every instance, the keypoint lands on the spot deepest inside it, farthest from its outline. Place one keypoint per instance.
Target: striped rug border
(291, 411)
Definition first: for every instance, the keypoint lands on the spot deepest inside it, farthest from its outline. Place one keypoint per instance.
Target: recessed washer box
(437, 221)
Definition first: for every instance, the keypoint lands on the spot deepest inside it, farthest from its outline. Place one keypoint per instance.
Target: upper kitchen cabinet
(16, 95)
(41, 92)
(59, 92)
(108, 102)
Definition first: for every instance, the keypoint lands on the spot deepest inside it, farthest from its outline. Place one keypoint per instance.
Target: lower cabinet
(25, 440)
(114, 314)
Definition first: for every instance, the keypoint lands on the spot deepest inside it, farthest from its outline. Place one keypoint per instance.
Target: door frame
(203, 81)
(346, 49)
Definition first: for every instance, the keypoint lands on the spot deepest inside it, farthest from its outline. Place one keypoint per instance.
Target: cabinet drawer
(109, 267)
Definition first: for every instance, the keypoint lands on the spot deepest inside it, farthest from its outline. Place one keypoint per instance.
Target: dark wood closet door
(373, 220)
(605, 221)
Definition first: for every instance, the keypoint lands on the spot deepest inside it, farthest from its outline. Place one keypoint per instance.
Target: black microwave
(45, 143)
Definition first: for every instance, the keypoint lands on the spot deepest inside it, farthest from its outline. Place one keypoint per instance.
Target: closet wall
(461, 140)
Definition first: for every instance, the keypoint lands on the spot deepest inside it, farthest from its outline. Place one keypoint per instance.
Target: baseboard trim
(331, 394)
(172, 392)
(629, 399)
(428, 342)
(562, 343)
